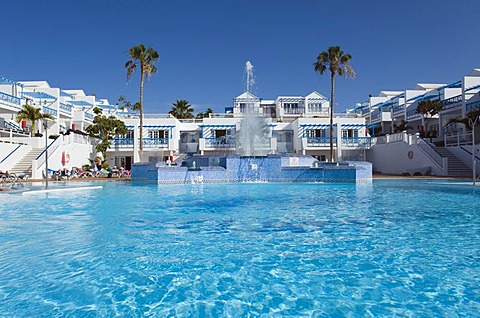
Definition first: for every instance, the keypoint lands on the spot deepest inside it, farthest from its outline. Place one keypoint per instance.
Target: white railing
(458, 139)
(398, 137)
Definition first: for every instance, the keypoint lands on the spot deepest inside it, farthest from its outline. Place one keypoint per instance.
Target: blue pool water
(388, 248)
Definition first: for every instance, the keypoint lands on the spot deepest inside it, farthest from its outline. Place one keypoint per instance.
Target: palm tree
(32, 114)
(206, 114)
(145, 58)
(181, 109)
(337, 63)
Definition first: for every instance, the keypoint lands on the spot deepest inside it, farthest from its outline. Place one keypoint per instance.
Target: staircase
(456, 167)
(24, 166)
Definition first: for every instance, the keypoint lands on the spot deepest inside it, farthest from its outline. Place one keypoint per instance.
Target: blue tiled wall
(244, 169)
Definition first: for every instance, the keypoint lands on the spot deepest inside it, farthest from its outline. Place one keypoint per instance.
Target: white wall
(392, 158)
(76, 152)
(6, 149)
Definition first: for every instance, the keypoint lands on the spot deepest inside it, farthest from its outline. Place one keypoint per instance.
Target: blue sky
(203, 46)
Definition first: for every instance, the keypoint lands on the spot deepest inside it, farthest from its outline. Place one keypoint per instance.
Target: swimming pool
(391, 247)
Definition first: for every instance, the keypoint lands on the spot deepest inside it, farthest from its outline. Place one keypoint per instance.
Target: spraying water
(253, 135)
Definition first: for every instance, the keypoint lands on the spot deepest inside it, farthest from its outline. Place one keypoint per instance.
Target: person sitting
(64, 174)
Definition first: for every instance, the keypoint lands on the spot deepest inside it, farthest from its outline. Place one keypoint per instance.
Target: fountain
(254, 131)
(253, 161)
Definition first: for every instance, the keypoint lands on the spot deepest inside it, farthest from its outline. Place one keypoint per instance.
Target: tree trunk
(331, 115)
(141, 110)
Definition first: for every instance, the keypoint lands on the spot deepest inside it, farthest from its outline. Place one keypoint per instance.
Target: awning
(64, 94)
(80, 103)
(217, 126)
(4, 80)
(159, 126)
(316, 126)
(352, 126)
(40, 95)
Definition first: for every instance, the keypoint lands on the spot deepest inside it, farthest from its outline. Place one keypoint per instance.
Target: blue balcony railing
(320, 141)
(412, 113)
(48, 110)
(66, 107)
(398, 109)
(473, 105)
(356, 141)
(220, 142)
(155, 142)
(123, 142)
(89, 116)
(9, 98)
(452, 102)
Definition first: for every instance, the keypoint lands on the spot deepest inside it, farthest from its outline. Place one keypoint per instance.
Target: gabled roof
(428, 86)
(315, 94)
(390, 93)
(474, 72)
(246, 95)
(35, 84)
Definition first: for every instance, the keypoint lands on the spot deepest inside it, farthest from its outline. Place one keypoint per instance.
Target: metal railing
(452, 102)
(472, 106)
(51, 149)
(66, 107)
(412, 113)
(10, 98)
(221, 142)
(320, 141)
(432, 153)
(122, 142)
(155, 142)
(357, 141)
(10, 153)
(398, 109)
(458, 139)
(48, 110)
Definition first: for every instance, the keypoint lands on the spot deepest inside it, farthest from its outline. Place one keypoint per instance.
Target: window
(349, 133)
(156, 134)
(316, 133)
(220, 133)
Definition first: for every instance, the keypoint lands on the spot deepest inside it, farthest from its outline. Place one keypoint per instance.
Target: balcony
(122, 143)
(155, 143)
(293, 111)
(89, 117)
(320, 141)
(473, 105)
(452, 102)
(412, 113)
(66, 109)
(10, 99)
(356, 142)
(48, 110)
(398, 109)
(220, 143)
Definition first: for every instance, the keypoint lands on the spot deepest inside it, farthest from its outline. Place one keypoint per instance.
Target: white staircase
(456, 167)
(24, 166)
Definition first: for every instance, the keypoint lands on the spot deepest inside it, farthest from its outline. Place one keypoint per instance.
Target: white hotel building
(297, 124)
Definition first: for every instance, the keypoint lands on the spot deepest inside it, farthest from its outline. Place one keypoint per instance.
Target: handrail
(431, 152)
(41, 155)
(10, 154)
(463, 149)
(47, 148)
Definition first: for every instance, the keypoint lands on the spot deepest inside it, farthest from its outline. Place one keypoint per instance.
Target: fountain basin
(235, 168)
